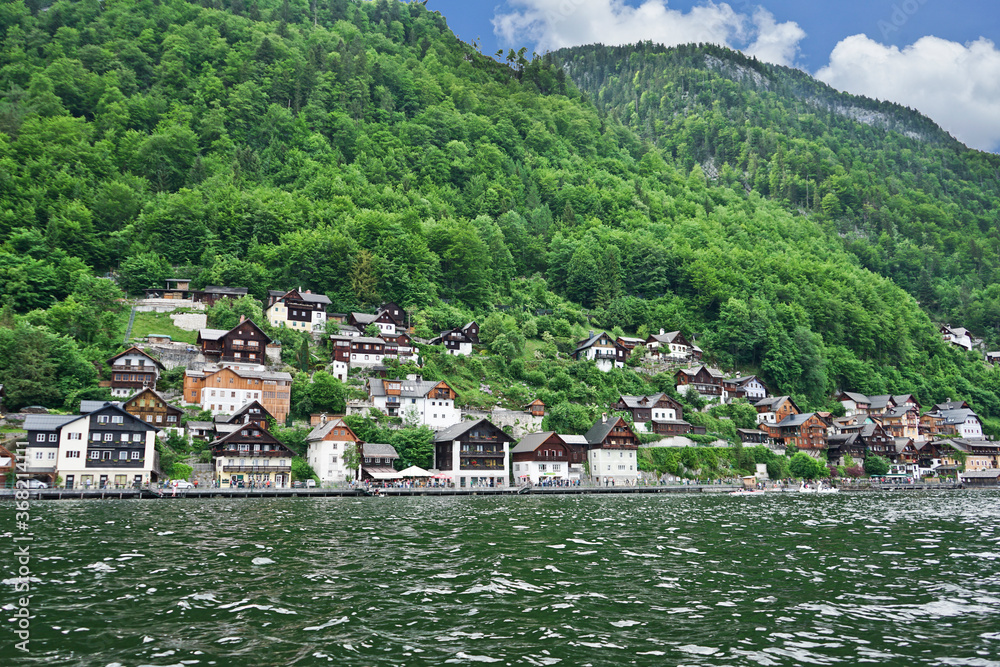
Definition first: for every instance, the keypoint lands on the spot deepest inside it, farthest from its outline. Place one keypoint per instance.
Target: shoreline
(218, 494)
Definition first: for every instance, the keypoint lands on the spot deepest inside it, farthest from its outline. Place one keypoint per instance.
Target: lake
(898, 578)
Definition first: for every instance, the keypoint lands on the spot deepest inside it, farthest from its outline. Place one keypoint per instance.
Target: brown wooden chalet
(149, 406)
(382, 320)
(536, 408)
(252, 413)
(459, 341)
(805, 431)
(669, 344)
(706, 381)
(378, 461)
(132, 370)
(664, 415)
(906, 451)
(547, 446)
(397, 313)
(472, 449)
(773, 409)
(245, 343)
(611, 432)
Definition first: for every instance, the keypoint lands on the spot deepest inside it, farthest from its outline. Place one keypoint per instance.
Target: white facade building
(416, 401)
(328, 443)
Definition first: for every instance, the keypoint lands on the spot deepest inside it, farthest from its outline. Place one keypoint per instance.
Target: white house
(327, 444)
(459, 341)
(417, 401)
(605, 351)
(957, 336)
(613, 452)
(670, 344)
(297, 309)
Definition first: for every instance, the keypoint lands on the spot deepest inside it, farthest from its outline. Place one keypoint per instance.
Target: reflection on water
(695, 580)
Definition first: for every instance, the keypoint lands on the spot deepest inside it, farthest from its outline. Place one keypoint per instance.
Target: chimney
(604, 417)
(243, 318)
(662, 332)
(591, 334)
(322, 418)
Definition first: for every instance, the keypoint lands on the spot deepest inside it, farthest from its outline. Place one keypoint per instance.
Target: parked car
(297, 484)
(35, 484)
(310, 484)
(181, 484)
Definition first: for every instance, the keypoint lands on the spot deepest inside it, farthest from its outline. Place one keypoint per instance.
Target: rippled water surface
(912, 578)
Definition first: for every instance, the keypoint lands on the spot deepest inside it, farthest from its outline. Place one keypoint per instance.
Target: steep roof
(589, 342)
(634, 402)
(48, 422)
(857, 398)
(212, 334)
(600, 430)
(409, 389)
(958, 416)
(137, 351)
(795, 420)
(364, 318)
(379, 450)
(668, 337)
(531, 442)
(455, 431)
(323, 430)
(879, 402)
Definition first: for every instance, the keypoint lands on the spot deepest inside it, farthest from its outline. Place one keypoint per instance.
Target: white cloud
(554, 24)
(956, 85)
(776, 42)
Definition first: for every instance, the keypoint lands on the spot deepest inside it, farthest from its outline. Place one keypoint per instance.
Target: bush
(876, 465)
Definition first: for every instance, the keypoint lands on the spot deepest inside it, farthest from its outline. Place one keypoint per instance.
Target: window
(75, 454)
(102, 419)
(94, 456)
(52, 455)
(171, 419)
(135, 456)
(96, 437)
(38, 455)
(40, 437)
(75, 436)
(108, 437)
(137, 437)
(232, 394)
(116, 419)
(123, 456)
(53, 437)
(149, 418)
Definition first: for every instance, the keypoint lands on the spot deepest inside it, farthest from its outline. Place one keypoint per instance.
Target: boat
(803, 488)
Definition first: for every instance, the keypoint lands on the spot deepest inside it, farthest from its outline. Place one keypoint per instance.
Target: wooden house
(244, 345)
(131, 371)
(297, 309)
(708, 382)
(773, 409)
(805, 431)
(603, 350)
(670, 344)
(150, 407)
(459, 341)
(473, 453)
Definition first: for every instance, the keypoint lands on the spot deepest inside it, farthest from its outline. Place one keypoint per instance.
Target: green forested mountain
(910, 202)
(361, 150)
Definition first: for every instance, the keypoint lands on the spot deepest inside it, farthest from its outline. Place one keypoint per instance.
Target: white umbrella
(414, 471)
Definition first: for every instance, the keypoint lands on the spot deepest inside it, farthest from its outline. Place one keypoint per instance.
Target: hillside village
(236, 393)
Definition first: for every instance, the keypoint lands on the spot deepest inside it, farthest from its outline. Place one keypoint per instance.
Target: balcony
(484, 452)
(116, 463)
(242, 453)
(256, 468)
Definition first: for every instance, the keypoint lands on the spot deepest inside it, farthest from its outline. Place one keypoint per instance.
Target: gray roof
(957, 416)
(574, 439)
(90, 406)
(315, 298)
(992, 473)
(212, 334)
(201, 425)
(455, 431)
(634, 402)
(368, 339)
(530, 442)
(857, 398)
(379, 450)
(590, 341)
(950, 405)
(879, 402)
(321, 431)
(48, 422)
(900, 399)
(666, 337)
(795, 420)
(901, 443)
(364, 318)
(599, 431)
(410, 388)
(714, 372)
(676, 422)
(897, 412)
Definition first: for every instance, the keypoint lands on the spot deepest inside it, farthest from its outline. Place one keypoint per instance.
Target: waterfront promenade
(209, 493)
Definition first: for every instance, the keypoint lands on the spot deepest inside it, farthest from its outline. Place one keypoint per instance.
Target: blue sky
(936, 56)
